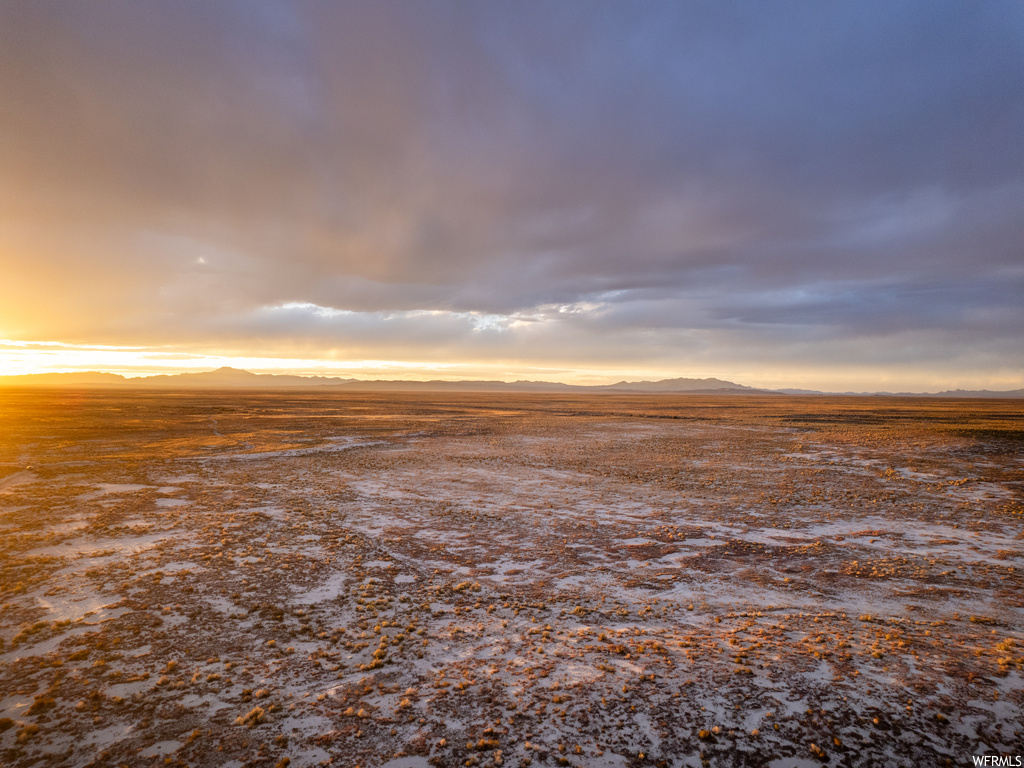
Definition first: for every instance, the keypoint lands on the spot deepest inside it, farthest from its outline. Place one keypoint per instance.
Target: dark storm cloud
(169, 171)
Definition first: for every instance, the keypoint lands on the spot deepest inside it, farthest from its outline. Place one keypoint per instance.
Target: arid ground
(242, 579)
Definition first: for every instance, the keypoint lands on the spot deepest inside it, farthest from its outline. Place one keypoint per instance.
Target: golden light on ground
(501, 576)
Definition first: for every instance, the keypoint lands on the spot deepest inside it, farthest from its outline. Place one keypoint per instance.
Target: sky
(826, 195)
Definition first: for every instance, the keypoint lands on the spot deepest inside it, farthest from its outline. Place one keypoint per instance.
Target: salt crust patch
(549, 530)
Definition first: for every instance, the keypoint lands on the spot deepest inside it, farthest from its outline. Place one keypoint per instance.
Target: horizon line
(729, 387)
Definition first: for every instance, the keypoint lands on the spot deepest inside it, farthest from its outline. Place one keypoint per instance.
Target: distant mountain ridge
(980, 393)
(679, 385)
(227, 377)
(72, 379)
(235, 378)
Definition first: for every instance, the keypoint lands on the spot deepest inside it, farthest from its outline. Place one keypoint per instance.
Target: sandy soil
(231, 579)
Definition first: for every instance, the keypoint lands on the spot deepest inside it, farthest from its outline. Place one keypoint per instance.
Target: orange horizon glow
(19, 358)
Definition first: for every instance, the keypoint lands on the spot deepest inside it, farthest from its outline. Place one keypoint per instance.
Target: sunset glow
(825, 197)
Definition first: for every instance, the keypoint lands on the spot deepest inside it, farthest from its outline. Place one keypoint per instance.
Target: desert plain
(412, 580)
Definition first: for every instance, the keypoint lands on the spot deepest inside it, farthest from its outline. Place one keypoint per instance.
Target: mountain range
(230, 378)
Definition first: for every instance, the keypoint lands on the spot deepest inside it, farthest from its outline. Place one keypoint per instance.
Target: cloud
(755, 180)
